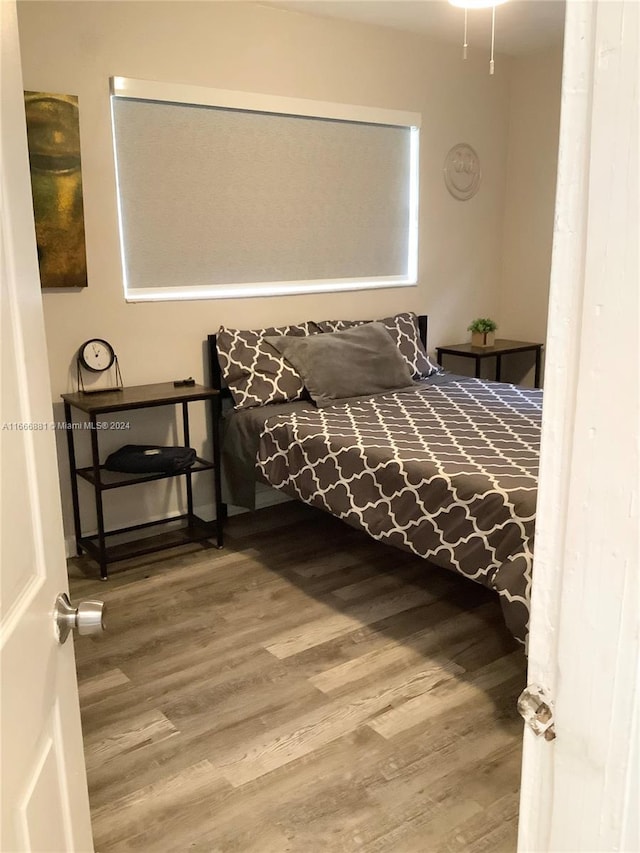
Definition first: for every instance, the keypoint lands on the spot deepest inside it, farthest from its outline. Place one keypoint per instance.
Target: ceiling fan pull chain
(465, 45)
(493, 37)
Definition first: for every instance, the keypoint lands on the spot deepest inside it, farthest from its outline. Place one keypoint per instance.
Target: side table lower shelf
(117, 479)
(191, 529)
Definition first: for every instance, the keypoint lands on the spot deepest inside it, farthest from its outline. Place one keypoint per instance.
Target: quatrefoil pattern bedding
(447, 470)
(254, 372)
(258, 375)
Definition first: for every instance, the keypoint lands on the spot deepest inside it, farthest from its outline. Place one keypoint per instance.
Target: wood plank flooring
(304, 689)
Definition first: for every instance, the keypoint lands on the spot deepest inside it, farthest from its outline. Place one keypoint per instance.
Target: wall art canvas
(53, 132)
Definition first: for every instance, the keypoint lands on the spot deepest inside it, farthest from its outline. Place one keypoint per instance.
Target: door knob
(87, 617)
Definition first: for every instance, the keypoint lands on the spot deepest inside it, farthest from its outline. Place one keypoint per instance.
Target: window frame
(178, 93)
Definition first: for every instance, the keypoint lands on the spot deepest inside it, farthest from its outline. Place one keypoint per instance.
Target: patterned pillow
(254, 372)
(405, 332)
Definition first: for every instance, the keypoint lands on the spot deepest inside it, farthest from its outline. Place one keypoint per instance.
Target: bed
(441, 465)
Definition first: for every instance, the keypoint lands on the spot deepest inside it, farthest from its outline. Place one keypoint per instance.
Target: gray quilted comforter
(447, 470)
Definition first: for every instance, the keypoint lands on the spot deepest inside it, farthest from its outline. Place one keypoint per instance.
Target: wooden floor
(304, 689)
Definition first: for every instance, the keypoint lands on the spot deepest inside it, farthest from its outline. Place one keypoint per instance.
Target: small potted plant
(483, 332)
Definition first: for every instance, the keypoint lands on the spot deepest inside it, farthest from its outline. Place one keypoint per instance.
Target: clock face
(97, 355)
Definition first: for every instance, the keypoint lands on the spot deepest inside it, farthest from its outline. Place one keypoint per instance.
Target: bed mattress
(447, 469)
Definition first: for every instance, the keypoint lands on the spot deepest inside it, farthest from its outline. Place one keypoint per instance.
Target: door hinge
(536, 709)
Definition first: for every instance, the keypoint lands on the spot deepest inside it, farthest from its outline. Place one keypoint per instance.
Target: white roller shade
(212, 197)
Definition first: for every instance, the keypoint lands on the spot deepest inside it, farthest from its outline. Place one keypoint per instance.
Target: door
(45, 804)
(580, 792)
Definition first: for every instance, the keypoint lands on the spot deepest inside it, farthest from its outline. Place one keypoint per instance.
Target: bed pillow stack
(258, 374)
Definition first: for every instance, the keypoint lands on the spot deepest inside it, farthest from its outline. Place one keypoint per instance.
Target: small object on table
(97, 356)
(483, 332)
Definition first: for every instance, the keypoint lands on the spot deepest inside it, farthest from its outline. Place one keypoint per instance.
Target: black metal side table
(500, 348)
(192, 528)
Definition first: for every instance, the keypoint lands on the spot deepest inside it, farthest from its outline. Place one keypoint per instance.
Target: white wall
(534, 121)
(74, 48)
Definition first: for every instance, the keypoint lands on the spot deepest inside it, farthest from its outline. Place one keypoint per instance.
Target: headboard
(215, 372)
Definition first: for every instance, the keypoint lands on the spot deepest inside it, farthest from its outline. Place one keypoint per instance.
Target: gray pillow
(404, 331)
(351, 363)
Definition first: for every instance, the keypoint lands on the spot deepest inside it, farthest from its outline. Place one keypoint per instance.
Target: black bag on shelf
(150, 459)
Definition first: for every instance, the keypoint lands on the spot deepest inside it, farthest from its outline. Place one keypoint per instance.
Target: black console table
(191, 528)
(500, 348)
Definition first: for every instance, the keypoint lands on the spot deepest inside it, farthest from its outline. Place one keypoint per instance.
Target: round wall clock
(96, 355)
(462, 171)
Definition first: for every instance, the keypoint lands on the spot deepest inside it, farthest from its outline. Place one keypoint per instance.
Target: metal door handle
(87, 617)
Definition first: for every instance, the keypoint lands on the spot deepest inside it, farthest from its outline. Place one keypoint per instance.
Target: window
(228, 194)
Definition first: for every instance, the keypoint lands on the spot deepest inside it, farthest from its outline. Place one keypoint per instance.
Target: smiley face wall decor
(462, 171)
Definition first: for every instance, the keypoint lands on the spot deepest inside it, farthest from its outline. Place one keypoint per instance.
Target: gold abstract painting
(53, 132)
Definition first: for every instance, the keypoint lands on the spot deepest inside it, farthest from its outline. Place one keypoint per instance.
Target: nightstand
(191, 528)
(499, 349)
